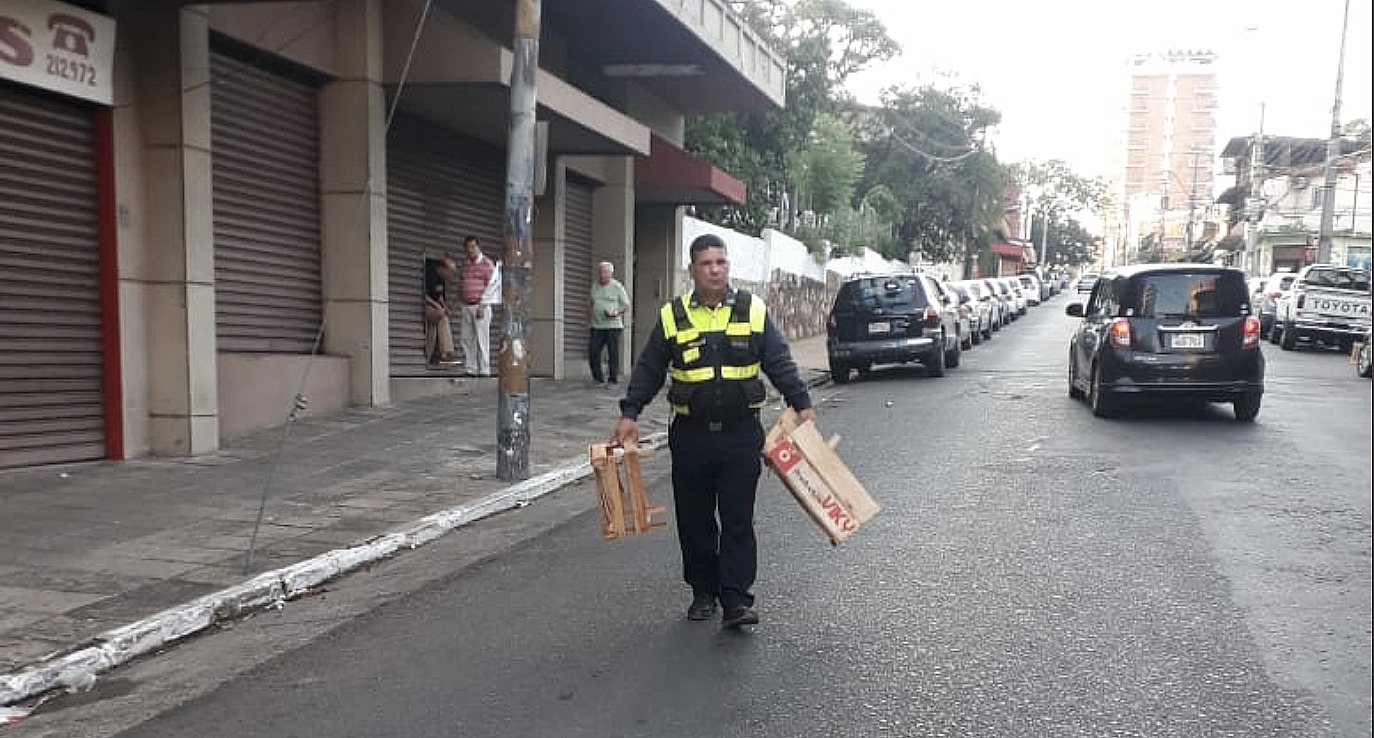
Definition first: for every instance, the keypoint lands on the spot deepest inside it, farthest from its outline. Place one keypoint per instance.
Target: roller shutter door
(577, 274)
(265, 168)
(51, 402)
(441, 187)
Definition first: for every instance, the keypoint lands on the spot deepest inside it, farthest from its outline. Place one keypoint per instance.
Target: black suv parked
(1176, 330)
(892, 319)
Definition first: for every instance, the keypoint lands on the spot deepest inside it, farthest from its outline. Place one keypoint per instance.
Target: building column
(613, 222)
(353, 206)
(658, 273)
(546, 311)
(167, 284)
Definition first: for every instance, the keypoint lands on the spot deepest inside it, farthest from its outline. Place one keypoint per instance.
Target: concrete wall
(262, 387)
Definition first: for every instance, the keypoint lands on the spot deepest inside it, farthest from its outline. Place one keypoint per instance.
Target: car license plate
(1186, 341)
(883, 327)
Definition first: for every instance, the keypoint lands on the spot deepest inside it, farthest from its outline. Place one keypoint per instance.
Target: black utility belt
(716, 426)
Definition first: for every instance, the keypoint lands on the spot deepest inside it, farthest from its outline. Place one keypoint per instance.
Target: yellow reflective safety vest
(716, 356)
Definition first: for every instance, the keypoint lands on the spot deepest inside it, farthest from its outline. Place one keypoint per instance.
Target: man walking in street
(609, 303)
(713, 342)
(479, 288)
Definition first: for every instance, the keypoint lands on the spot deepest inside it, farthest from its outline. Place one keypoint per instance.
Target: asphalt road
(1035, 572)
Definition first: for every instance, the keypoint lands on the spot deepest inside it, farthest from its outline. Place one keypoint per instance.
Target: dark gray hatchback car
(892, 319)
(1167, 330)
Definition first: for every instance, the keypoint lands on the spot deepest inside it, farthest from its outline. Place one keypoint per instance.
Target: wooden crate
(811, 470)
(625, 508)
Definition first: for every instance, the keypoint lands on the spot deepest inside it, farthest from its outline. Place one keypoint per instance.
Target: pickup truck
(1328, 303)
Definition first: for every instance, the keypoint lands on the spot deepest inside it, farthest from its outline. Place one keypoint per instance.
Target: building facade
(1166, 153)
(208, 209)
(1276, 202)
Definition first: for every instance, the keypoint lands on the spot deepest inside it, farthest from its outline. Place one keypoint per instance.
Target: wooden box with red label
(814, 474)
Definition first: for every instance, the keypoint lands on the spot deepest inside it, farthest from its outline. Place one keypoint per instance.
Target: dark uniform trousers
(716, 467)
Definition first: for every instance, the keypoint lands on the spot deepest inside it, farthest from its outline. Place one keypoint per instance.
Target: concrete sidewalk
(101, 561)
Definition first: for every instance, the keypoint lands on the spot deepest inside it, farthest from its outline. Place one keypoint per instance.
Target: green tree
(1057, 193)
(824, 42)
(926, 147)
(824, 171)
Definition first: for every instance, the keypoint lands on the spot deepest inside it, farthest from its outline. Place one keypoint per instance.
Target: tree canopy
(911, 175)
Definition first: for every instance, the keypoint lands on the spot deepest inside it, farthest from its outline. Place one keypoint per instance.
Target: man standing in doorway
(440, 275)
(714, 341)
(609, 304)
(479, 288)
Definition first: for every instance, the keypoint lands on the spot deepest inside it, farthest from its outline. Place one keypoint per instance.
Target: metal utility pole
(1333, 152)
(1253, 206)
(513, 401)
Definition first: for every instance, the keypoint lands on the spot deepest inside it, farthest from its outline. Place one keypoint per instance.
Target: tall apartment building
(1169, 145)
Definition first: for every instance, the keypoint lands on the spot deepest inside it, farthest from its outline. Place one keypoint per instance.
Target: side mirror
(1074, 310)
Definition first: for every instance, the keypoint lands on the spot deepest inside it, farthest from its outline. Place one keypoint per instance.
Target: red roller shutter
(441, 187)
(577, 274)
(51, 401)
(265, 169)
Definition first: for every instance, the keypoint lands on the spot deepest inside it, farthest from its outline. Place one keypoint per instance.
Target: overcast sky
(1056, 69)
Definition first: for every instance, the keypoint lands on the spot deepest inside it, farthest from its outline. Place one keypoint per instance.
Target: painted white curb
(78, 669)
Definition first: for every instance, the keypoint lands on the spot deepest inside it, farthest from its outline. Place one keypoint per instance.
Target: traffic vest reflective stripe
(721, 346)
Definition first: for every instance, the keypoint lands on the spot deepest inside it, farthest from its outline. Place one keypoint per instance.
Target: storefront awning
(671, 176)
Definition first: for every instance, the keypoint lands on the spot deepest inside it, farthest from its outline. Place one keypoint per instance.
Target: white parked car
(1030, 285)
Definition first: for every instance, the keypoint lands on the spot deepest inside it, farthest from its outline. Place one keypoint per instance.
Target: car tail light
(931, 318)
(1252, 332)
(1121, 333)
(1301, 299)
(1275, 295)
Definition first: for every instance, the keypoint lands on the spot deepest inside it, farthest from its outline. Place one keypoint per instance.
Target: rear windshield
(1207, 295)
(1341, 279)
(881, 292)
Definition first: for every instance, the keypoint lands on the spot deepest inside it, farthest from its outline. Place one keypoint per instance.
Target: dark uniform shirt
(652, 369)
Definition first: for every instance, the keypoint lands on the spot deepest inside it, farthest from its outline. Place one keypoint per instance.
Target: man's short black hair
(703, 242)
(471, 239)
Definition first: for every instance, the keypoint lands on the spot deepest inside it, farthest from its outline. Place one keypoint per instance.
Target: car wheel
(1102, 404)
(935, 362)
(987, 333)
(1247, 406)
(1274, 332)
(1074, 392)
(1289, 340)
(839, 372)
(1364, 363)
(954, 355)
(976, 337)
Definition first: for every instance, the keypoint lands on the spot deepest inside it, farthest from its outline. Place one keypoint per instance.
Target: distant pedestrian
(439, 275)
(609, 305)
(479, 287)
(713, 342)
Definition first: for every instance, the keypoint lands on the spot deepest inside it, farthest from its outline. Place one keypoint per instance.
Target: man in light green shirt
(609, 303)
